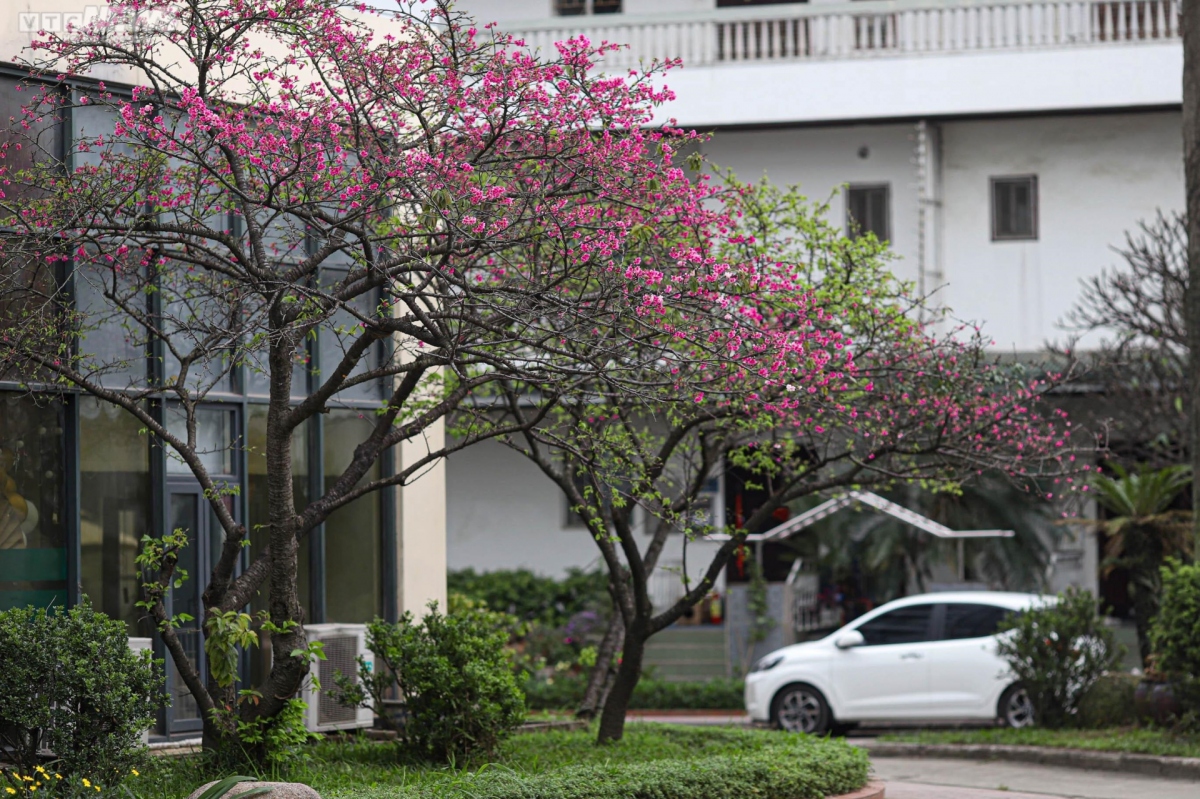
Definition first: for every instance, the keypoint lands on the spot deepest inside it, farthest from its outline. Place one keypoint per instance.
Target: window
(114, 508)
(214, 437)
(33, 549)
(900, 626)
(1014, 208)
(576, 8)
(353, 578)
(868, 209)
(972, 621)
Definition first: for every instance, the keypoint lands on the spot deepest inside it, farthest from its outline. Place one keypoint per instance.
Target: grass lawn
(652, 760)
(1118, 739)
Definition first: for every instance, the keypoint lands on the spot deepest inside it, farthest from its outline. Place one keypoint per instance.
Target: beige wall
(421, 527)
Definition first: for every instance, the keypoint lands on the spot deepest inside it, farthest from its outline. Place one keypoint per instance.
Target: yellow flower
(133, 771)
(11, 790)
(86, 783)
(39, 768)
(97, 787)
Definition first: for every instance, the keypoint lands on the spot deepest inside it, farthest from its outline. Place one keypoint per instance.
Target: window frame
(856, 231)
(994, 181)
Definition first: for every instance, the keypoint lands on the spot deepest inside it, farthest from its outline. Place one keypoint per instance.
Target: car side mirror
(849, 640)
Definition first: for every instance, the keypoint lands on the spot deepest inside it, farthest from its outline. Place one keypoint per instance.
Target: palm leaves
(1141, 495)
(1143, 532)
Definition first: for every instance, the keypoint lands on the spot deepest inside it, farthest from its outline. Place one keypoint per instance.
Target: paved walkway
(927, 778)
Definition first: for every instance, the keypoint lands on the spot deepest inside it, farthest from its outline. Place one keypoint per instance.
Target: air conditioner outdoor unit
(343, 645)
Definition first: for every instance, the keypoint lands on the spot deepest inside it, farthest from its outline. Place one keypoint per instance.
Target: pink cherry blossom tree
(455, 211)
(870, 397)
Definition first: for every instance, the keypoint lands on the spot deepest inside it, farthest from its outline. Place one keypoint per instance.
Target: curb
(1179, 768)
(872, 790)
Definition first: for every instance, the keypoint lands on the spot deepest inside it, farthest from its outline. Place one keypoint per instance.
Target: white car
(922, 658)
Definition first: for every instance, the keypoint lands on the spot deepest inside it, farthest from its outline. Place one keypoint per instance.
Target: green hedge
(532, 597)
(812, 772)
(566, 692)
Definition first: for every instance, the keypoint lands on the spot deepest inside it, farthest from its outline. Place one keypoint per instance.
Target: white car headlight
(767, 663)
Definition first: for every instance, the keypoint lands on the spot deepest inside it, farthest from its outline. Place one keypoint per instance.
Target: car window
(970, 620)
(900, 626)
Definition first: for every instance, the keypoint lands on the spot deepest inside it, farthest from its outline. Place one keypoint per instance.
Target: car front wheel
(1016, 708)
(801, 708)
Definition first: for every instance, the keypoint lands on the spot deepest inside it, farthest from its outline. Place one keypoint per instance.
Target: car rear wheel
(1016, 708)
(801, 708)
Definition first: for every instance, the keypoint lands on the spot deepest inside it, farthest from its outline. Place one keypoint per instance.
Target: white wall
(996, 82)
(503, 513)
(1097, 177)
(821, 160)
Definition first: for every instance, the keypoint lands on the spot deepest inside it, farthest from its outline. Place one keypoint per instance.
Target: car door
(888, 676)
(965, 673)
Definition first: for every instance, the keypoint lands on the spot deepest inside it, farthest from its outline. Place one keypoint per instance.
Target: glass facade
(81, 482)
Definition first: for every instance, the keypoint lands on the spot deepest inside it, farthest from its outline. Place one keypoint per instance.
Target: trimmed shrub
(532, 597)
(453, 676)
(1175, 641)
(70, 684)
(1175, 633)
(1058, 652)
(1109, 702)
(566, 692)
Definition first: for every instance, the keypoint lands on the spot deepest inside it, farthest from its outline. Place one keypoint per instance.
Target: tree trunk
(600, 679)
(1190, 24)
(612, 720)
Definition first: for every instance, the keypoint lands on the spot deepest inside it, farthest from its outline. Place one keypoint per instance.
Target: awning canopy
(832, 506)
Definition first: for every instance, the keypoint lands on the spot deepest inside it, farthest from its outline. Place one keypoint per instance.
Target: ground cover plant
(1138, 740)
(651, 760)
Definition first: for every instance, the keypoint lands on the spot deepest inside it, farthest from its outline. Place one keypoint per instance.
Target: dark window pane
(33, 548)
(867, 211)
(353, 586)
(972, 621)
(31, 317)
(214, 440)
(900, 626)
(114, 508)
(112, 341)
(606, 6)
(1014, 208)
(40, 142)
(340, 332)
(260, 518)
(184, 514)
(570, 8)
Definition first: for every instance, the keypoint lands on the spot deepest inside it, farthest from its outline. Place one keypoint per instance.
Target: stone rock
(279, 790)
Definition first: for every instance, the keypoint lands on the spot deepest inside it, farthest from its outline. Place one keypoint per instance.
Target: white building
(1002, 147)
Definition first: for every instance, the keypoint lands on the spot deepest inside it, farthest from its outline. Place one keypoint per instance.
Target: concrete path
(927, 778)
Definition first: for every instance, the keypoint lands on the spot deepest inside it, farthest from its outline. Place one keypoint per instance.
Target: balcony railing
(867, 29)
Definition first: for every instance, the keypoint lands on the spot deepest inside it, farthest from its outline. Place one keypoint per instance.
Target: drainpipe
(929, 211)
